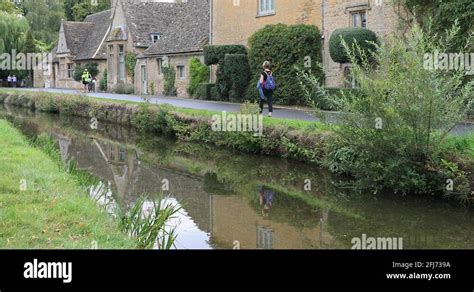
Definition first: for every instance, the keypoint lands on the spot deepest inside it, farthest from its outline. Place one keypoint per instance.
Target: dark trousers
(269, 96)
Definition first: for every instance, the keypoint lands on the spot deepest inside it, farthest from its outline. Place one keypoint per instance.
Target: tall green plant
(286, 46)
(130, 64)
(199, 73)
(169, 75)
(394, 133)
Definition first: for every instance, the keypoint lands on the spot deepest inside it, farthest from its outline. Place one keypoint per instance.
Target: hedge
(215, 55)
(206, 91)
(237, 71)
(286, 46)
(363, 37)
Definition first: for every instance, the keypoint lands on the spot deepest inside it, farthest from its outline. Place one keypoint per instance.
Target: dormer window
(155, 37)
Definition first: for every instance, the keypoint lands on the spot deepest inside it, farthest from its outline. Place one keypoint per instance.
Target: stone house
(234, 21)
(158, 33)
(79, 43)
(182, 33)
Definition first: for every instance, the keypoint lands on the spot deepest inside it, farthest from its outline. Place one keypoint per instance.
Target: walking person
(9, 79)
(14, 80)
(267, 86)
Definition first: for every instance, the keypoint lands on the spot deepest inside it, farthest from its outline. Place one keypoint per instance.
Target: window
(159, 61)
(155, 37)
(181, 72)
(121, 68)
(70, 70)
(266, 7)
(111, 58)
(359, 19)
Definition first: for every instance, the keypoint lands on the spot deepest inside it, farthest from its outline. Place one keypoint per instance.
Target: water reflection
(247, 201)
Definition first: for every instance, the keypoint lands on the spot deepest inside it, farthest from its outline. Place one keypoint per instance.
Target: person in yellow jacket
(86, 79)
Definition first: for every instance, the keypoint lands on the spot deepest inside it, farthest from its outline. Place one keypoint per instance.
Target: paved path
(279, 112)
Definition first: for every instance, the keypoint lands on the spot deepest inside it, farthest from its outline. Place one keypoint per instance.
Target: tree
(30, 47)
(78, 10)
(435, 16)
(9, 7)
(13, 29)
(44, 17)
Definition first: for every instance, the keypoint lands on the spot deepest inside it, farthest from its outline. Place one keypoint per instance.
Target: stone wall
(156, 79)
(382, 18)
(234, 24)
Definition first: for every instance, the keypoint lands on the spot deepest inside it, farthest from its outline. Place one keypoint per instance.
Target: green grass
(54, 211)
(293, 124)
(464, 144)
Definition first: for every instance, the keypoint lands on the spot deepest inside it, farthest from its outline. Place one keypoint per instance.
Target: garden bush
(123, 88)
(169, 80)
(198, 73)
(237, 71)
(287, 47)
(205, 91)
(365, 38)
(396, 124)
(104, 81)
(215, 55)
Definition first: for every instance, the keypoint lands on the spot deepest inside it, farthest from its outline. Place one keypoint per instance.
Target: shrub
(199, 73)
(123, 88)
(169, 75)
(394, 133)
(205, 91)
(216, 55)
(91, 67)
(237, 71)
(365, 38)
(285, 46)
(130, 64)
(104, 81)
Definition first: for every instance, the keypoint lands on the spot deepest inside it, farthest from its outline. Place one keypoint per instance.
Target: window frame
(266, 12)
(362, 20)
(178, 71)
(70, 70)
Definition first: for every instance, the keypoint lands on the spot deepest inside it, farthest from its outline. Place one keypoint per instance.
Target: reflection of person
(266, 199)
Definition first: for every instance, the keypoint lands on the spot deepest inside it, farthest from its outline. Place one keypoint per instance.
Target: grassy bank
(53, 211)
(297, 140)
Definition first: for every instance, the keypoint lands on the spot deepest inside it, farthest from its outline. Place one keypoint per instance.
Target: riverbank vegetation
(43, 207)
(395, 133)
(73, 208)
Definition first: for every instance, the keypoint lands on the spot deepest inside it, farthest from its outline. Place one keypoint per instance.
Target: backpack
(270, 83)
